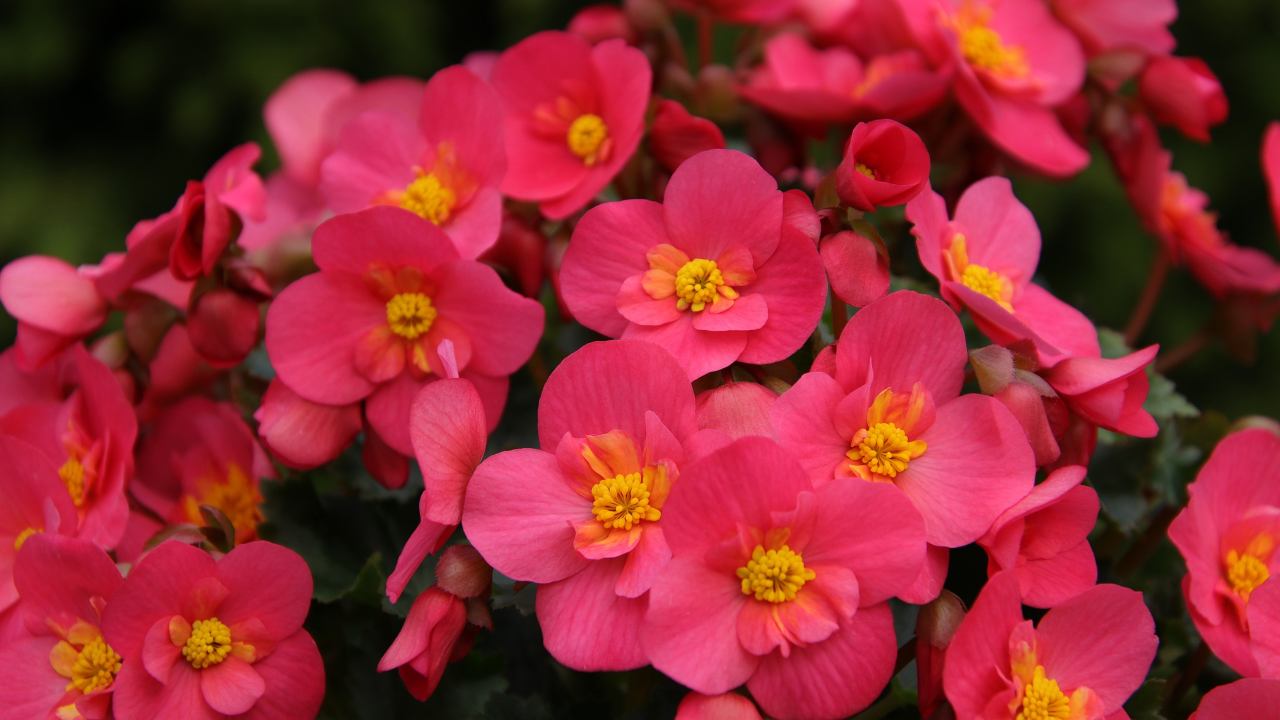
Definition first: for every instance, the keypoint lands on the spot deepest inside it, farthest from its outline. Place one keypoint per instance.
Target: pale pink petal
(295, 115)
(697, 352)
(587, 626)
(52, 295)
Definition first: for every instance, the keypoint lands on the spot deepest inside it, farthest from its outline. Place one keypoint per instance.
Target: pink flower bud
(675, 135)
(598, 23)
(885, 163)
(1184, 93)
(462, 571)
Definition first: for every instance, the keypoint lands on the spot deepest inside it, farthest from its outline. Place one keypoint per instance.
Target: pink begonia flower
(1184, 93)
(597, 23)
(1228, 535)
(1108, 392)
(1271, 168)
(54, 303)
(857, 267)
(445, 168)
(302, 434)
(61, 666)
(815, 88)
(727, 706)
(613, 423)
(1013, 64)
(197, 453)
(1105, 25)
(87, 428)
(203, 638)
(780, 584)
(1044, 539)
(725, 269)
(574, 116)
(676, 136)
(885, 163)
(191, 238)
(34, 503)
(892, 413)
(984, 258)
(391, 288)
(1086, 656)
(1247, 698)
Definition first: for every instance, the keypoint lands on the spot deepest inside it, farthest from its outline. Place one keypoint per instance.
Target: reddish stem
(1184, 352)
(1150, 295)
(839, 316)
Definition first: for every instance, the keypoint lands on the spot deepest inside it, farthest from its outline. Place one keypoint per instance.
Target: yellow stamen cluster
(1248, 569)
(410, 315)
(587, 136)
(985, 281)
(885, 449)
(95, 667)
(622, 501)
(774, 575)
(865, 170)
(698, 282)
(1042, 699)
(208, 644)
(238, 498)
(429, 199)
(72, 474)
(984, 49)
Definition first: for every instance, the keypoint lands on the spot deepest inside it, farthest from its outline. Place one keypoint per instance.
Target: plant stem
(1147, 301)
(1145, 545)
(1187, 678)
(839, 316)
(1184, 352)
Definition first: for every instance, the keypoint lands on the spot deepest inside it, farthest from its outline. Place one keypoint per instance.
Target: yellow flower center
(985, 281)
(208, 644)
(588, 137)
(238, 497)
(1248, 569)
(622, 501)
(429, 199)
(1042, 699)
(884, 449)
(95, 667)
(21, 539)
(697, 284)
(865, 170)
(984, 49)
(72, 474)
(774, 575)
(410, 315)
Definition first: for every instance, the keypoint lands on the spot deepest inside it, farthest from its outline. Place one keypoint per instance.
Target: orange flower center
(237, 497)
(1247, 569)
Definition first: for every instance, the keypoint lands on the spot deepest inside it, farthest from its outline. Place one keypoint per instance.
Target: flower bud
(885, 163)
(1184, 93)
(675, 135)
(462, 571)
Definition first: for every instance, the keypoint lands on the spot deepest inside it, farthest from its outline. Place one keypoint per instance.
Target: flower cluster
(733, 480)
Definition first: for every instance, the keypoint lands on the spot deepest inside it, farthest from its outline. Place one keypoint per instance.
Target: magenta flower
(1119, 25)
(613, 424)
(725, 269)
(34, 504)
(391, 288)
(1247, 698)
(55, 304)
(203, 638)
(574, 116)
(885, 163)
(780, 584)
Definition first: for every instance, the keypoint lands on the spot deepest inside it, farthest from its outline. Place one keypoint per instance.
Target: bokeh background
(107, 108)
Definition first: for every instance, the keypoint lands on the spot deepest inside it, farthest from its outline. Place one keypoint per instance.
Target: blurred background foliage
(107, 108)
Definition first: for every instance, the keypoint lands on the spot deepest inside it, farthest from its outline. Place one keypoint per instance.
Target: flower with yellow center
(208, 644)
(698, 284)
(429, 198)
(622, 501)
(1247, 569)
(72, 474)
(85, 659)
(774, 576)
(978, 278)
(884, 449)
(866, 170)
(588, 138)
(410, 314)
(984, 49)
(1043, 699)
(237, 496)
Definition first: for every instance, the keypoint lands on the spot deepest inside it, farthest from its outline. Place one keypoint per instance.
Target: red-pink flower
(446, 169)
(1247, 698)
(303, 434)
(727, 706)
(677, 136)
(780, 584)
(1120, 25)
(1108, 392)
(814, 88)
(885, 163)
(1228, 535)
(1184, 93)
(892, 413)
(34, 503)
(984, 258)
(61, 665)
(84, 424)
(613, 423)
(1013, 63)
(597, 23)
(1086, 656)
(198, 453)
(574, 116)
(1271, 168)
(54, 303)
(390, 290)
(725, 269)
(203, 638)
(1044, 539)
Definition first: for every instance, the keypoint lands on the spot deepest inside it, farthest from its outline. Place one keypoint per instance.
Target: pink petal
(748, 312)
(388, 411)
(907, 338)
(1103, 639)
(833, 678)
(29, 688)
(721, 198)
(933, 574)
(858, 271)
(1061, 325)
(461, 110)
(159, 586)
(474, 227)
(269, 583)
(303, 434)
(1000, 232)
(1250, 697)
(978, 663)
(295, 115)
(447, 428)
(728, 706)
(1031, 134)
(51, 295)
(737, 408)
(608, 386)
(232, 686)
(435, 621)
(608, 246)
(587, 626)
(136, 694)
(57, 577)
(697, 352)
(958, 492)
(1046, 582)
(294, 678)
(375, 155)
(539, 548)
(804, 420)
(380, 237)
(502, 325)
(792, 283)
(636, 305)
(649, 557)
(425, 539)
